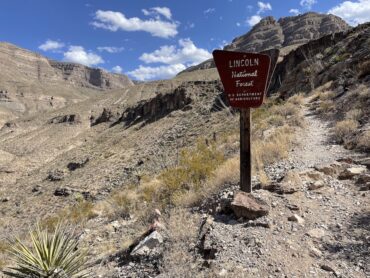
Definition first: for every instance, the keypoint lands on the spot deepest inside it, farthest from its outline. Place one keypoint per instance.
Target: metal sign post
(244, 77)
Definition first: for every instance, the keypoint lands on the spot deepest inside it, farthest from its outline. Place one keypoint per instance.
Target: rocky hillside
(149, 173)
(287, 32)
(32, 83)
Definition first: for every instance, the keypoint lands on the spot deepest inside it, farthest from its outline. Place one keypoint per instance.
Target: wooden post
(245, 150)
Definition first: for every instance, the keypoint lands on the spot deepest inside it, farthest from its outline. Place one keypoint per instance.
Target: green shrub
(52, 255)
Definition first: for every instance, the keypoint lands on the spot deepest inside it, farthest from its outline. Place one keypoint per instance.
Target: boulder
(351, 172)
(148, 246)
(77, 163)
(364, 162)
(249, 207)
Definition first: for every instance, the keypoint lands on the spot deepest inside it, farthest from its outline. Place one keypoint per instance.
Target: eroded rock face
(270, 33)
(29, 66)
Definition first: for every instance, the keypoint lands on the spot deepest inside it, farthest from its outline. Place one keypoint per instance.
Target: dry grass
(354, 114)
(363, 142)
(326, 106)
(344, 129)
(183, 228)
(287, 109)
(78, 213)
(227, 173)
(297, 99)
(364, 68)
(4, 246)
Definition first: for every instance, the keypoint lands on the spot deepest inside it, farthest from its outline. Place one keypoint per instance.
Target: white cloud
(294, 11)
(187, 54)
(51, 45)
(117, 69)
(238, 24)
(307, 3)
(354, 12)
(77, 54)
(262, 7)
(166, 12)
(253, 20)
(162, 72)
(115, 21)
(175, 58)
(110, 49)
(209, 11)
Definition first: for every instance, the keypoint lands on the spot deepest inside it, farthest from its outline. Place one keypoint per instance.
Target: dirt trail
(333, 239)
(316, 145)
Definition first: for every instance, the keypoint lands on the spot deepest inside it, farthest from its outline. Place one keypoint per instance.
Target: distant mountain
(287, 32)
(30, 82)
(19, 64)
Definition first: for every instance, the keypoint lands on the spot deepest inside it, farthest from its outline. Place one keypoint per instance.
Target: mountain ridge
(285, 33)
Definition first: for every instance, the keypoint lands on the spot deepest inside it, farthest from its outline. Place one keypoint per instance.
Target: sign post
(245, 77)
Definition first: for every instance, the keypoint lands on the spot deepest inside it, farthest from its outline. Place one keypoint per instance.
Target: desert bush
(195, 166)
(364, 141)
(326, 106)
(325, 96)
(297, 99)
(287, 109)
(78, 213)
(354, 114)
(276, 120)
(364, 68)
(51, 255)
(343, 129)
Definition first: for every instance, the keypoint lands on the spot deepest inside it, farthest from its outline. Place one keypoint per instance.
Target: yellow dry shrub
(297, 99)
(364, 141)
(344, 129)
(354, 114)
(195, 166)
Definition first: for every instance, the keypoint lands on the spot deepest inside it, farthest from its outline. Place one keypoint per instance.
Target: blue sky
(147, 39)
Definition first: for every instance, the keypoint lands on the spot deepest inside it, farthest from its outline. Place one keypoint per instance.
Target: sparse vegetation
(344, 129)
(364, 141)
(354, 114)
(55, 255)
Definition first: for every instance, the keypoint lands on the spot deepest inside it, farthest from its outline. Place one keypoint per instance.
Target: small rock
(314, 252)
(5, 199)
(327, 267)
(64, 192)
(249, 207)
(222, 273)
(316, 233)
(349, 173)
(36, 189)
(56, 175)
(296, 218)
(316, 185)
(363, 179)
(365, 162)
(77, 163)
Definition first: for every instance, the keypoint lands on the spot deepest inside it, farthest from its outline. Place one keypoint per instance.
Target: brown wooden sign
(244, 76)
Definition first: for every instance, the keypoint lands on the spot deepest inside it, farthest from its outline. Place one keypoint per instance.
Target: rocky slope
(287, 32)
(32, 83)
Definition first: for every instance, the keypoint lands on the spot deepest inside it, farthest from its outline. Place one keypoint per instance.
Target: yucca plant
(53, 255)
